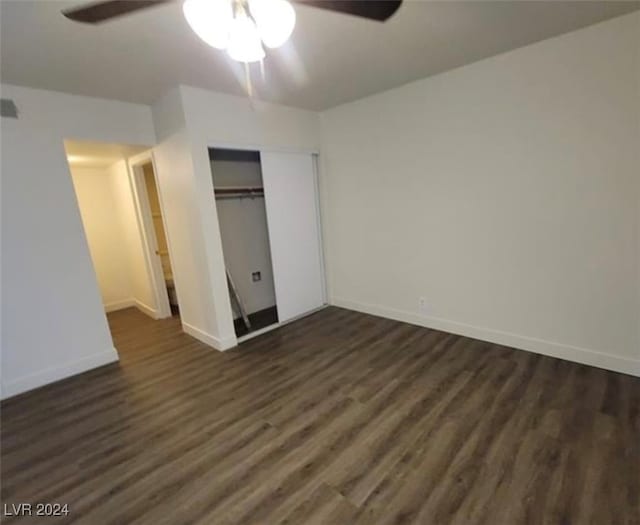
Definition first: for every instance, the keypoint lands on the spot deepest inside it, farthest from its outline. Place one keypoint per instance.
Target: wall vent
(8, 108)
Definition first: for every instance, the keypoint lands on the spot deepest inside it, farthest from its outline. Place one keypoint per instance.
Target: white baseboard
(530, 344)
(208, 339)
(146, 309)
(119, 305)
(132, 302)
(50, 375)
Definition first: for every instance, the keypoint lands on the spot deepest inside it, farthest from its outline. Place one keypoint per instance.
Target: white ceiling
(87, 154)
(330, 59)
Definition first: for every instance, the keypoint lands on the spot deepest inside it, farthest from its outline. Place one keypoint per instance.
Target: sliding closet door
(294, 234)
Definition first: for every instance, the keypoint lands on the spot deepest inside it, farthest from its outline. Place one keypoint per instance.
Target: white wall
(53, 323)
(245, 237)
(505, 192)
(188, 121)
(105, 235)
(111, 226)
(220, 119)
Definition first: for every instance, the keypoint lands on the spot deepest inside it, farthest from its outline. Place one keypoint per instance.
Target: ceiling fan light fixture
(275, 20)
(244, 40)
(211, 20)
(241, 26)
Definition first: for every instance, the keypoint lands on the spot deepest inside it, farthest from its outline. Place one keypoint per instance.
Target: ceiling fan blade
(101, 11)
(379, 10)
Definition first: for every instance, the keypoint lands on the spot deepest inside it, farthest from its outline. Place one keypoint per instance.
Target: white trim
(140, 158)
(132, 302)
(50, 375)
(521, 342)
(321, 244)
(119, 305)
(208, 339)
(146, 309)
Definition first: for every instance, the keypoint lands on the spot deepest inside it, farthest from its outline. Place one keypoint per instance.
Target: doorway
(118, 205)
(144, 175)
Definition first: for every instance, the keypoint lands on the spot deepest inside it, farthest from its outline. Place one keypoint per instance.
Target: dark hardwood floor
(339, 418)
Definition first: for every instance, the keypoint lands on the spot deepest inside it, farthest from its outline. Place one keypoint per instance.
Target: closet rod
(239, 193)
(229, 197)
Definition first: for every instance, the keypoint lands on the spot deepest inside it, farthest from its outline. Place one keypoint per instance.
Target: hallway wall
(113, 233)
(105, 234)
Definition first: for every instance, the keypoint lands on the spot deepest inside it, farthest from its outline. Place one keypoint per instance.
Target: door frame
(323, 269)
(147, 229)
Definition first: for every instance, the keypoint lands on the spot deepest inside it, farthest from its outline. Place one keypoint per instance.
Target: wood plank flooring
(339, 418)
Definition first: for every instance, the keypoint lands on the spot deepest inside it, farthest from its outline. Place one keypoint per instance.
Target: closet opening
(242, 217)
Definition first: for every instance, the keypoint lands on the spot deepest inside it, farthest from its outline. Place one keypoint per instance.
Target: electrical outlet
(256, 276)
(423, 305)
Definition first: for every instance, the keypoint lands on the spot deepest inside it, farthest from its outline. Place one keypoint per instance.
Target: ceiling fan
(239, 26)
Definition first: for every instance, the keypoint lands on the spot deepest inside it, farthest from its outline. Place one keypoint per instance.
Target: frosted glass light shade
(210, 19)
(244, 40)
(275, 20)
